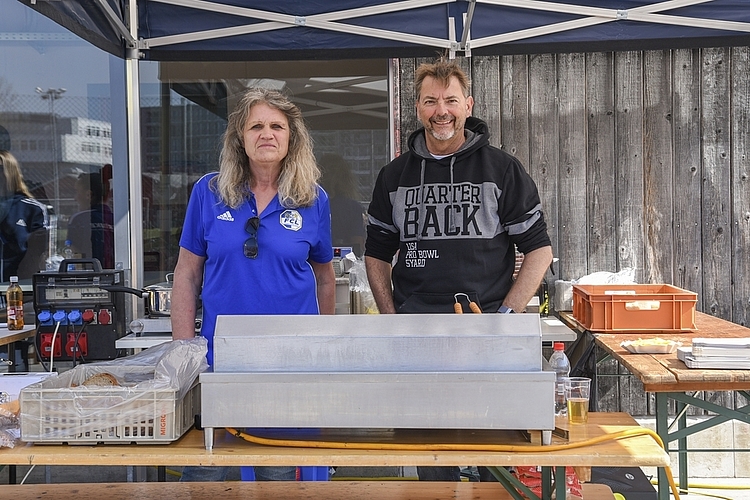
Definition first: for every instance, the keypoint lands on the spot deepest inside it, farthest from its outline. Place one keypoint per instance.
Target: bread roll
(11, 407)
(101, 380)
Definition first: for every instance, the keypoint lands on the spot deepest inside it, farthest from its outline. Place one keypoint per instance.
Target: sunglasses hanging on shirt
(250, 247)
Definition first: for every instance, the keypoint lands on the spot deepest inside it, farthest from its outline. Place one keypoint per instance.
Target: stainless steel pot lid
(163, 286)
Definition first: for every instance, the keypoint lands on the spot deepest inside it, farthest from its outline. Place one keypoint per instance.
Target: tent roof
(173, 30)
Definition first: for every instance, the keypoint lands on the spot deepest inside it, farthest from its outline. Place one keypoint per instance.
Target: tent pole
(133, 114)
(394, 115)
(467, 24)
(116, 21)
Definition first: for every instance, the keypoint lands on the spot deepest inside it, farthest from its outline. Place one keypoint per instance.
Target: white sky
(69, 62)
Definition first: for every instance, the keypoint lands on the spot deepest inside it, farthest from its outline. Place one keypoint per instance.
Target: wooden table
(10, 337)
(228, 450)
(669, 378)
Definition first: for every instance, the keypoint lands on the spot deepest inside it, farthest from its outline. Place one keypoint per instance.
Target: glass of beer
(577, 395)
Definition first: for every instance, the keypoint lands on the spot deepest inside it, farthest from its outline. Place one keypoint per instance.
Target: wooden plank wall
(642, 160)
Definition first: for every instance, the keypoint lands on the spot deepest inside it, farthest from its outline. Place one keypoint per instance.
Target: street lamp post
(52, 95)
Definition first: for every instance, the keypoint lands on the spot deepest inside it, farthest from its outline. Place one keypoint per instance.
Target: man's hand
(530, 276)
(379, 276)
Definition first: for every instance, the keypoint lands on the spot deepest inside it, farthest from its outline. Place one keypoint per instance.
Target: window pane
(55, 119)
(184, 109)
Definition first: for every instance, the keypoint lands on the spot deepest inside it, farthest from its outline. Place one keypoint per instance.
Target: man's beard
(444, 135)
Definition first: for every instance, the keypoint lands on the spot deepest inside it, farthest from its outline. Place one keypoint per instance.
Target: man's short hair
(442, 71)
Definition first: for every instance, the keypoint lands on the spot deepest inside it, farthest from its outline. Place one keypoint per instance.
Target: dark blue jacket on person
(19, 217)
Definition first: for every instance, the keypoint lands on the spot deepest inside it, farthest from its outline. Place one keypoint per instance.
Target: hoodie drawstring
(421, 197)
(451, 217)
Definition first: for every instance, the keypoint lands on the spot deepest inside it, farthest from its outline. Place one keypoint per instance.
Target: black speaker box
(630, 482)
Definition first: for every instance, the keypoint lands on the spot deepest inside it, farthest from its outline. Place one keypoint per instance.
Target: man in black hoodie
(455, 209)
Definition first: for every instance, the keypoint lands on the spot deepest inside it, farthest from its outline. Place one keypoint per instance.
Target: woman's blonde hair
(14, 182)
(298, 181)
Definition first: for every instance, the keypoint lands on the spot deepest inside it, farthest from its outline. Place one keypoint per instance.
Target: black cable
(76, 347)
(75, 343)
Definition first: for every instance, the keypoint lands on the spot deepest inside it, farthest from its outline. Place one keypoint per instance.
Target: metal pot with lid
(159, 299)
(158, 296)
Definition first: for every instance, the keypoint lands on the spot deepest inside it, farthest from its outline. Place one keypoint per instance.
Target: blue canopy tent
(220, 30)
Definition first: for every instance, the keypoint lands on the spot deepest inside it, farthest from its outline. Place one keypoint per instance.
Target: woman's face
(266, 136)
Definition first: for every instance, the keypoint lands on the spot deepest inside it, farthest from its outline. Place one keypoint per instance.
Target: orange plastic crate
(634, 308)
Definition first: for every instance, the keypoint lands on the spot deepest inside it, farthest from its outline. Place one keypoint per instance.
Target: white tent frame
(334, 21)
(278, 21)
(596, 15)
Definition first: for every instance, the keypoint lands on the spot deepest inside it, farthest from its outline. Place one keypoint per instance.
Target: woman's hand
(326, 290)
(188, 278)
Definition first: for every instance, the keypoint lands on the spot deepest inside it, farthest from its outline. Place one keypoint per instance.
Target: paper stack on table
(726, 353)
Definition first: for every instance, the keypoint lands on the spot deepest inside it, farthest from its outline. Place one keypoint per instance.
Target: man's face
(443, 111)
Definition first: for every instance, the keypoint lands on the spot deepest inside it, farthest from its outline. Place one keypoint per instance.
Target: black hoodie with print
(454, 222)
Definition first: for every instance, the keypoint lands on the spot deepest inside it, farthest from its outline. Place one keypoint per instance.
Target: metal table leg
(518, 490)
(662, 429)
(208, 438)
(722, 414)
(682, 458)
(511, 484)
(560, 486)
(546, 483)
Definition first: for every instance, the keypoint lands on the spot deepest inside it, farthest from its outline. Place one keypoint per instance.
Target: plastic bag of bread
(170, 365)
(135, 398)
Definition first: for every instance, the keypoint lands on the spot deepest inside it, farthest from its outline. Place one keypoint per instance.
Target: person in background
(91, 231)
(347, 214)
(20, 216)
(454, 208)
(257, 235)
(22, 219)
(106, 173)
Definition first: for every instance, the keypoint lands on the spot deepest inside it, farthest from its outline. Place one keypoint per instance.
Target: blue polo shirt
(280, 280)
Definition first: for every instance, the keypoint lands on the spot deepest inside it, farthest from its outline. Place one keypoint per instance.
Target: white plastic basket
(54, 412)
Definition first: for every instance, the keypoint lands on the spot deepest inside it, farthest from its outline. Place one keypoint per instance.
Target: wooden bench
(237, 490)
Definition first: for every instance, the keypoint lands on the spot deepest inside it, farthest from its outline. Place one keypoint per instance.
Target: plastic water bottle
(68, 254)
(560, 363)
(68, 250)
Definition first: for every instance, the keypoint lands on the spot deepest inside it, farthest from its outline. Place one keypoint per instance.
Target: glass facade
(62, 109)
(56, 124)
(184, 113)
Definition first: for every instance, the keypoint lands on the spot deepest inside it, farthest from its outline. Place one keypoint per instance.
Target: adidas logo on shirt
(21, 222)
(226, 216)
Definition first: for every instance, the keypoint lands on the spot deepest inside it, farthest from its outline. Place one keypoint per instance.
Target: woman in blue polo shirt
(257, 235)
